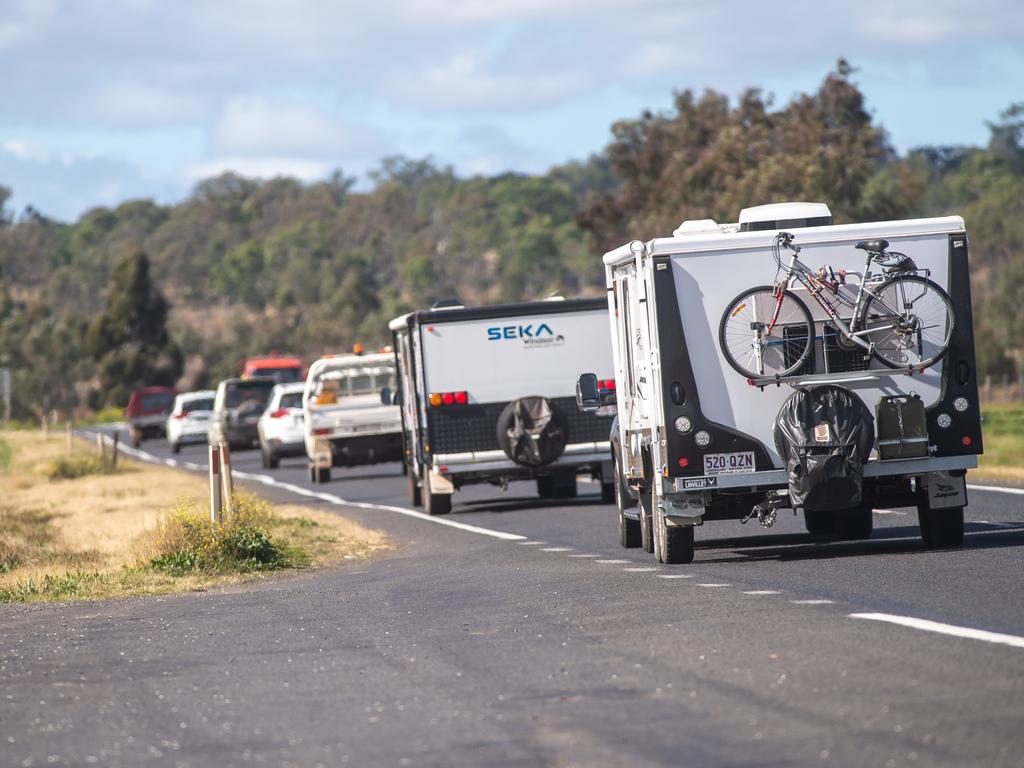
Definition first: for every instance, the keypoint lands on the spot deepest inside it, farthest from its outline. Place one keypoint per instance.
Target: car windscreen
(191, 406)
(280, 375)
(157, 401)
(293, 400)
(247, 391)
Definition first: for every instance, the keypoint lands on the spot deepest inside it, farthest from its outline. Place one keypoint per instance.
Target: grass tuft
(74, 467)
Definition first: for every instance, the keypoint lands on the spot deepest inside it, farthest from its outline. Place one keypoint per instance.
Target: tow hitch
(768, 510)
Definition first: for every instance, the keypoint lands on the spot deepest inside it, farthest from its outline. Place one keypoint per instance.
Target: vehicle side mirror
(386, 398)
(588, 398)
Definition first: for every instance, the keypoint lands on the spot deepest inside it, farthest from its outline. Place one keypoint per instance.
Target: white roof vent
(784, 216)
(697, 227)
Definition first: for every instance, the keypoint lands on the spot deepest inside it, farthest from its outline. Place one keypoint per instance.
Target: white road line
(581, 555)
(812, 602)
(676, 576)
(529, 543)
(944, 629)
(612, 562)
(556, 549)
(714, 585)
(996, 489)
(762, 592)
(639, 570)
(338, 501)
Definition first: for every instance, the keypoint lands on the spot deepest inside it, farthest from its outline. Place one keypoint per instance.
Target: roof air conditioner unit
(784, 216)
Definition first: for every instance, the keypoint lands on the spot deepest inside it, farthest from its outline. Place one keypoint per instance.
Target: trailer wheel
(321, 474)
(175, 447)
(646, 521)
(941, 528)
(855, 523)
(673, 544)
(819, 523)
(415, 492)
(434, 503)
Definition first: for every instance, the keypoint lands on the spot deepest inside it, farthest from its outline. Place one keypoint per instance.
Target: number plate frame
(737, 463)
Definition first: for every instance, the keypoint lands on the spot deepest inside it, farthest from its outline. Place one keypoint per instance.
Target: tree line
(148, 293)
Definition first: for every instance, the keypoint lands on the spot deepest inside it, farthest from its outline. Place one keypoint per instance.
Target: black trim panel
(676, 367)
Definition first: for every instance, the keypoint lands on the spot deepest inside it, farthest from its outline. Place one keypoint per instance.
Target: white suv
(281, 425)
(189, 419)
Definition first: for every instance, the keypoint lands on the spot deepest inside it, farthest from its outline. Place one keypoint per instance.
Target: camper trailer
(789, 363)
(487, 397)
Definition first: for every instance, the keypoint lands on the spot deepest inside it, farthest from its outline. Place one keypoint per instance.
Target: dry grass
(95, 536)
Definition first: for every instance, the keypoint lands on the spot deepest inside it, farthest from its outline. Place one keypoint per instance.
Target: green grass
(72, 467)
(1002, 429)
(5, 455)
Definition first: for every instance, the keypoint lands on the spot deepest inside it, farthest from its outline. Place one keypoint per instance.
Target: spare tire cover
(532, 432)
(824, 433)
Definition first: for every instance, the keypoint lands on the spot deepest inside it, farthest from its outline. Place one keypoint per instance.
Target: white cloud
(259, 167)
(137, 105)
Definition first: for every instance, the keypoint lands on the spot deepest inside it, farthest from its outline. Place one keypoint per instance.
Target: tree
(129, 340)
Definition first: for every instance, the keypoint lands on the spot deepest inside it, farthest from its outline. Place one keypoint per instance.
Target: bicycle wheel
(910, 321)
(746, 342)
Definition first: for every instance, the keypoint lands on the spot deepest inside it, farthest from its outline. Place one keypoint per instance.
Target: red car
(147, 412)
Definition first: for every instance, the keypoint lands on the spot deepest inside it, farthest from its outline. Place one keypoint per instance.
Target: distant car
(237, 408)
(190, 418)
(283, 370)
(281, 425)
(147, 412)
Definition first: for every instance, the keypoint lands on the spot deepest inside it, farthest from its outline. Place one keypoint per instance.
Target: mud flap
(687, 509)
(944, 490)
(322, 457)
(439, 484)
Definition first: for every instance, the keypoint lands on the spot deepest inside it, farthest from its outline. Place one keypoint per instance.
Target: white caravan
(348, 413)
(487, 397)
(699, 440)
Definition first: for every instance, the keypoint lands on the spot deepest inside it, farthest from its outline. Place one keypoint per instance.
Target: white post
(215, 484)
(227, 478)
(99, 447)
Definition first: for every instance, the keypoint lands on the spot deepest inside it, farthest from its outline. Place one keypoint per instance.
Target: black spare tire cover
(532, 432)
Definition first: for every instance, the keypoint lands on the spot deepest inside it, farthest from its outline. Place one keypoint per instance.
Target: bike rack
(849, 377)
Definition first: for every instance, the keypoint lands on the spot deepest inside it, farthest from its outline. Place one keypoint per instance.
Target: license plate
(729, 463)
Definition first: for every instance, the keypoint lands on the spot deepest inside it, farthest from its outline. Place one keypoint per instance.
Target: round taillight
(447, 398)
(683, 424)
(944, 420)
(702, 439)
(966, 440)
(461, 398)
(684, 462)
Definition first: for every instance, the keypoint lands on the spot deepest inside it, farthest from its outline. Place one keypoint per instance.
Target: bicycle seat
(872, 246)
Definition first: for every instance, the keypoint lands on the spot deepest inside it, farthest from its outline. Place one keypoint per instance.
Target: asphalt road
(523, 635)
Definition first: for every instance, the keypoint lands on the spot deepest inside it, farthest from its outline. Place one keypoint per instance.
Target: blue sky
(105, 100)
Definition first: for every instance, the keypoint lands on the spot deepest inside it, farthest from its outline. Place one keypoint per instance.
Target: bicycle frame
(797, 271)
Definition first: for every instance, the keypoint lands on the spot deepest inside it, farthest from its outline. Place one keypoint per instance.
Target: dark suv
(147, 412)
(237, 408)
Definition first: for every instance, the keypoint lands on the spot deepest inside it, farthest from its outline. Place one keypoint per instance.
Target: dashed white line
(529, 543)
(676, 576)
(556, 549)
(713, 585)
(612, 562)
(582, 555)
(969, 633)
(811, 602)
(762, 592)
(639, 570)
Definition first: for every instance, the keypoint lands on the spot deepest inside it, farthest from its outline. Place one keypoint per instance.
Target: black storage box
(902, 427)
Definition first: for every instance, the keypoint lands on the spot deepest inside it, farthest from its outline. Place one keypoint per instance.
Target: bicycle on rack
(900, 317)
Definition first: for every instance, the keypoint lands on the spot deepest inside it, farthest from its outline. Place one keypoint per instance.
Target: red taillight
(279, 413)
(447, 398)
(966, 440)
(180, 415)
(321, 431)
(461, 398)
(684, 462)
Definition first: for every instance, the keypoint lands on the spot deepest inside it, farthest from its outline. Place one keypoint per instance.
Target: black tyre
(415, 492)
(741, 333)
(312, 473)
(623, 497)
(941, 528)
(673, 544)
(532, 431)
(646, 521)
(273, 460)
(820, 523)
(175, 447)
(855, 523)
(630, 535)
(923, 320)
(321, 475)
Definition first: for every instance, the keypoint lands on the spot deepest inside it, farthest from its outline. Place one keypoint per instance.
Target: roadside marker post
(100, 446)
(226, 477)
(113, 450)
(215, 484)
